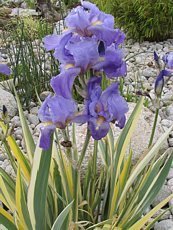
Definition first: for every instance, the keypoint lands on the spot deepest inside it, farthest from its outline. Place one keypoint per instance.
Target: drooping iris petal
(116, 105)
(45, 139)
(62, 83)
(56, 111)
(51, 41)
(44, 112)
(168, 59)
(98, 127)
(4, 69)
(112, 63)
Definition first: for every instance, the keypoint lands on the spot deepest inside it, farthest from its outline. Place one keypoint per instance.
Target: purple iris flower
(101, 108)
(168, 59)
(159, 83)
(87, 20)
(58, 110)
(4, 69)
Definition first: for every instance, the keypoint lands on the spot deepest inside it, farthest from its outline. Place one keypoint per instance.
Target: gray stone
(171, 205)
(170, 141)
(166, 123)
(9, 169)
(8, 100)
(165, 216)
(170, 182)
(34, 110)
(5, 163)
(23, 12)
(149, 72)
(18, 142)
(33, 119)
(2, 157)
(16, 121)
(170, 174)
(18, 132)
(164, 193)
(167, 98)
(164, 225)
(169, 110)
(44, 94)
(19, 137)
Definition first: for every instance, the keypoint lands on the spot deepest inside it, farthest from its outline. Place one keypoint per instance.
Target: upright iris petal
(85, 53)
(159, 83)
(4, 69)
(168, 59)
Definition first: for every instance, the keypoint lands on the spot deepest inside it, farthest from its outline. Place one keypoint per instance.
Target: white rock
(163, 194)
(169, 110)
(170, 141)
(18, 132)
(8, 100)
(166, 123)
(33, 119)
(170, 182)
(34, 110)
(9, 169)
(170, 174)
(165, 216)
(23, 12)
(164, 225)
(44, 94)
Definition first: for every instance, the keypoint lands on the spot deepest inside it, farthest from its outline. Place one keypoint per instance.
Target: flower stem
(154, 127)
(87, 139)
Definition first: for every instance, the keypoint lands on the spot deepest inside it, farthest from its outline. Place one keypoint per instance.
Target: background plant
(32, 66)
(141, 20)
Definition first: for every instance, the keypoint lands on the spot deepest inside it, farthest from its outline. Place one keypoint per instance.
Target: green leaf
(143, 163)
(119, 156)
(141, 223)
(62, 218)
(37, 192)
(7, 190)
(29, 142)
(21, 205)
(19, 155)
(7, 220)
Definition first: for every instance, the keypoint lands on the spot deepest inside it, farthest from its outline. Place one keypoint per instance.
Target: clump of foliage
(142, 20)
(32, 67)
